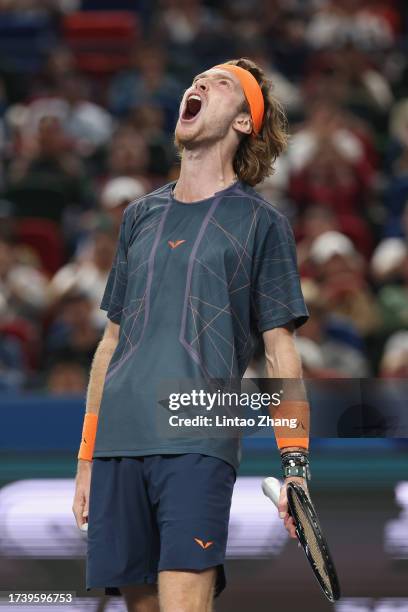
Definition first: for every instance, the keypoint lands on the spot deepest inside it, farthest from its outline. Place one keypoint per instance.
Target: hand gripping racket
(309, 533)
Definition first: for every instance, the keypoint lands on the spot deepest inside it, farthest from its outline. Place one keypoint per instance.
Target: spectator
(49, 168)
(396, 195)
(74, 330)
(85, 125)
(340, 70)
(59, 62)
(330, 164)
(149, 121)
(389, 260)
(390, 268)
(191, 30)
(314, 360)
(394, 363)
(146, 83)
(117, 194)
(370, 27)
(284, 31)
(12, 375)
(340, 349)
(128, 155)
(66, 377)
(89, 125)
(315, 221)
(22, 286)
(87, 274)
(3, 107)
(341, 272)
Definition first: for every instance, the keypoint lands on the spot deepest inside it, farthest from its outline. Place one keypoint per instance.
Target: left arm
(283, 361)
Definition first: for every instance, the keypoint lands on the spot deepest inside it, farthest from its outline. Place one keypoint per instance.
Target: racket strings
(313, 543)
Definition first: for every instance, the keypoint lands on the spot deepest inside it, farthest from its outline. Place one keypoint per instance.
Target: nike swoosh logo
(175, 243)
(203, 544)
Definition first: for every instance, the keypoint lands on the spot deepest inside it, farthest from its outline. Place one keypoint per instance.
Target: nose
(202, 84)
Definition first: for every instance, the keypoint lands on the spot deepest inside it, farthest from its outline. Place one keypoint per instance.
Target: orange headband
(252, 91)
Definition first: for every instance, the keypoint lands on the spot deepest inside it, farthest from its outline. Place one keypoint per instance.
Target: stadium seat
(26, 335)
(45, 238)
(100, 40)
(34, 198)
(25, 39)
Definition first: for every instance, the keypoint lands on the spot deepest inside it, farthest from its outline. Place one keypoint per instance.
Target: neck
(203, 173)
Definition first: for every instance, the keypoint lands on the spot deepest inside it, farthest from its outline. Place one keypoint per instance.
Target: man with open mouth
(203, 266)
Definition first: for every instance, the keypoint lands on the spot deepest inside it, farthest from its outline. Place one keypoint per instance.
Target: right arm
(100, 364)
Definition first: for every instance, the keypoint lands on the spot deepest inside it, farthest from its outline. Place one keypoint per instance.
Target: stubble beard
(190, 140)
(198, 139)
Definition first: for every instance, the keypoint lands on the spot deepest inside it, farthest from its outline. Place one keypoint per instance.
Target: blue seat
(25, 39)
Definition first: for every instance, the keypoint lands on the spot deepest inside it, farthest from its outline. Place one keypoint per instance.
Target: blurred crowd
(88, 103)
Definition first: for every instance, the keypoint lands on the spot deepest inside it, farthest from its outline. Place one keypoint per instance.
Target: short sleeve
(113, 299)
(276, 295)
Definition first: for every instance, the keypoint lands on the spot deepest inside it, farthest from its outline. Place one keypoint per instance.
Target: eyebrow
(223, 76)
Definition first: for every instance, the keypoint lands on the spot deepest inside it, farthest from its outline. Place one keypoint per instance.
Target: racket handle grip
(271, 488)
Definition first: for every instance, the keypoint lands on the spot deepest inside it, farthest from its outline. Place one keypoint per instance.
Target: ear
(243, 123)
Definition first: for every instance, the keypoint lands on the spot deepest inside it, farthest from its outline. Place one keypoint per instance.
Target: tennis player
(202, 265)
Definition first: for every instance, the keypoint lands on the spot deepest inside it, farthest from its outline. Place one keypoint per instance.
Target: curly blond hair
(256, 154)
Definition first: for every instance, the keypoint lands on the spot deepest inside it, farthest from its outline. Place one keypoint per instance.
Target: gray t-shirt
(191, 286)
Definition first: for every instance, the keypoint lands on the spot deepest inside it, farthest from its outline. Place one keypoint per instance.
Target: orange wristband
(297, 442)
(88, 436)
(299, 435)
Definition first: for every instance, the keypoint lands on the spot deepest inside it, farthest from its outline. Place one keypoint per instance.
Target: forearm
(100, 364)
(282, 359)
(283, 362)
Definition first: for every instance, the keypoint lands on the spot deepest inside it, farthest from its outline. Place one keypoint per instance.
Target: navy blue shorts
(153, 513)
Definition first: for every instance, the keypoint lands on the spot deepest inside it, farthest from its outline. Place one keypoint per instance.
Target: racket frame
(293, 488)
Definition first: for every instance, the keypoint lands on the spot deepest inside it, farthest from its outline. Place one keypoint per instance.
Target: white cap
(395, 355)
(398, 121)
(397, 342)
(388, 255)
(123, 189)
(328, 244)
(310, 291)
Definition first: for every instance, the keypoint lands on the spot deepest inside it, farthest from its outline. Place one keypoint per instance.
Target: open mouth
(192, 107)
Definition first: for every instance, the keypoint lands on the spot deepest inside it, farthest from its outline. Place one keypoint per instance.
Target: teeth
(194, 97)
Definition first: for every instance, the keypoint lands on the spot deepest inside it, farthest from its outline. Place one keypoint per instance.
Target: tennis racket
(309, 533)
